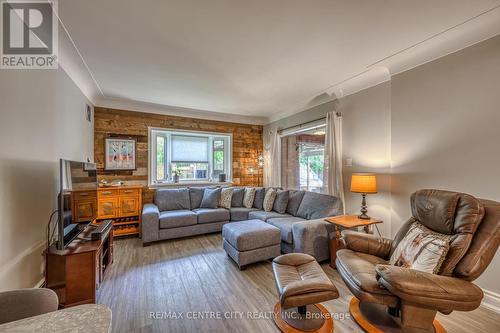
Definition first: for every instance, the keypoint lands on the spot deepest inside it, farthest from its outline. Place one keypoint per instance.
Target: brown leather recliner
(412, 298)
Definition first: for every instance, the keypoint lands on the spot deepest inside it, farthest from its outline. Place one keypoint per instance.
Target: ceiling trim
(140, 106)
(467, 33)
(453, 39)
(356, 83)
(461, 36)
(71, 61)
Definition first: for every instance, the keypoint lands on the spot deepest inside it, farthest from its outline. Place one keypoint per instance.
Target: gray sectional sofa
(179, 213)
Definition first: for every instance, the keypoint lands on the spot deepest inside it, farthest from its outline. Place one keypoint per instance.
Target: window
(311, 166)
(302, 160)
(193, 156)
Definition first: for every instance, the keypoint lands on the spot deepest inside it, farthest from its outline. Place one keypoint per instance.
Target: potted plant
(175, 176)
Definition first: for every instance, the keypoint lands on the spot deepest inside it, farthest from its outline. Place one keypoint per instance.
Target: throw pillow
(260, 192)
(172, 199)
(421, 249)
(195, 196)
(238, 194)
(249, 197)
(281, 201)
(211, 198)
(269, 199)
(225, 197)
(294, 200)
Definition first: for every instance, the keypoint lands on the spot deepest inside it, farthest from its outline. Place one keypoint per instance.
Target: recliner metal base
(317, 319)
(374, 318)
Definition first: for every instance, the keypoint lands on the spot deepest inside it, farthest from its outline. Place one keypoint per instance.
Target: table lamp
(364, 183)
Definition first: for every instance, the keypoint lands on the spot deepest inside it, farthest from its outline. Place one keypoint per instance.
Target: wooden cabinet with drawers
(84, 205)
(124, 206)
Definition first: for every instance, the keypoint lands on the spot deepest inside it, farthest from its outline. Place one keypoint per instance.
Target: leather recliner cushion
(450, 213)
(361, 270)
(301, 281)
(484, 244)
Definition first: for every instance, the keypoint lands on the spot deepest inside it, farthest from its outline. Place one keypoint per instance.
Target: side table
(347, 222)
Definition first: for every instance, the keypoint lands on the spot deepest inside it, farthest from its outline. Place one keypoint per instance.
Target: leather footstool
(301, 284)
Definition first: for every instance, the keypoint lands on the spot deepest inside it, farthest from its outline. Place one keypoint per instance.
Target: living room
(250, 166)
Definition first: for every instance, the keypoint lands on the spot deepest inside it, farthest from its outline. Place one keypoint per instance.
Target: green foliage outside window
(160, 153)
(316, 163)
(218, 160)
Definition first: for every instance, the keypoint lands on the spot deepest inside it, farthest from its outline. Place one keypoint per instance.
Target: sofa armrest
(150, 223)
(366, 243)
(312, 237)
(440, 292)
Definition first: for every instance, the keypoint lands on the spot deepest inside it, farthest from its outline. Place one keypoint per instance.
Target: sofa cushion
(172, 199)
(195, 196)
(177, 218)
(285, 226)
(209, 215)
(237, 199)
(250, 235)
(316, 206)
(226, 196)
(294, 200)
(240, 213)
(264, 216)
(211, 198)
(258, 200)
(281, 201)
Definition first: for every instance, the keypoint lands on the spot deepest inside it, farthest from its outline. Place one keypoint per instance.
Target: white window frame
(167, 134)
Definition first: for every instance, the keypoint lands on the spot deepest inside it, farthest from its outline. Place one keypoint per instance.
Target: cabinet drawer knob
(84, 194)
(106, 192)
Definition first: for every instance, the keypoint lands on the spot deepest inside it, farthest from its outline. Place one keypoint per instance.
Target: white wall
(434, 126)
(446, 131)
(366, 131)
(42, 119)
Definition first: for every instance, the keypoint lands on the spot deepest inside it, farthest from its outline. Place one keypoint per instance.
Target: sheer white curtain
(333, 156)
(272, 158)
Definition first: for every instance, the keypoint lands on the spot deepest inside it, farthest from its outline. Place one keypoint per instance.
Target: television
(77, 199)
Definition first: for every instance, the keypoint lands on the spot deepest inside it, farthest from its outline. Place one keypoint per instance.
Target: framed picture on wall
(119, 154)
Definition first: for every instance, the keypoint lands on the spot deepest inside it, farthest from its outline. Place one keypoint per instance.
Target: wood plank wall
(247, 143)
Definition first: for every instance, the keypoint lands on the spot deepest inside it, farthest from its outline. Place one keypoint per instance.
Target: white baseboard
(491, 301)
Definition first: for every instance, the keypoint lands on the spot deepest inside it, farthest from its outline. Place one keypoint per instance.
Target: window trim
(152, 155)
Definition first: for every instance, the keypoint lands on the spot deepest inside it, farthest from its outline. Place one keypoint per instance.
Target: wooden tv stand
(76, 272)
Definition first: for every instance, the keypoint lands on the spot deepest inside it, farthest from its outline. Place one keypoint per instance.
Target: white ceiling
(261, 58)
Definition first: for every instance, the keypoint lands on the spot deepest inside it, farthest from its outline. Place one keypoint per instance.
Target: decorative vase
(176, 178)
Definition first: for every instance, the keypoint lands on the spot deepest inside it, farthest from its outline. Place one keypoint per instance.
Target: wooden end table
(347, 222)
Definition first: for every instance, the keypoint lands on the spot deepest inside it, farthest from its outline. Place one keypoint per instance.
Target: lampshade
(364, 183)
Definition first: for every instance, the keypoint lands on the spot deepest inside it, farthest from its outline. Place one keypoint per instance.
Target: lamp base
(364, 210)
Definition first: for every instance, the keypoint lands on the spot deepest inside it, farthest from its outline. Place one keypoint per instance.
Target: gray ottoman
(251, 241)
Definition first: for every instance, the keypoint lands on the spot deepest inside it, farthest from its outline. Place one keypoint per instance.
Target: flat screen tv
(77, 199)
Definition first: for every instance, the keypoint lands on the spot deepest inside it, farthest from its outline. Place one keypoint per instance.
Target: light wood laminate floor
(189, 277)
